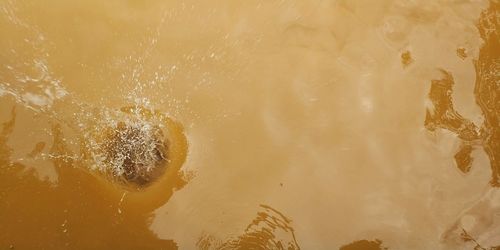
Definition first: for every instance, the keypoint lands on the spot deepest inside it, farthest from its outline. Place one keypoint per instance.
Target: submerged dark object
(138, 150)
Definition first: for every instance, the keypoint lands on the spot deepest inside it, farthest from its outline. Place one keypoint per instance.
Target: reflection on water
(476, 222)
(444, 115)
(364, 244)
(165, 124)
(269, 230)
(486, 89)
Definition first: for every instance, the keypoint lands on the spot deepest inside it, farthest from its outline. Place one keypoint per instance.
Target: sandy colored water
(288, 124)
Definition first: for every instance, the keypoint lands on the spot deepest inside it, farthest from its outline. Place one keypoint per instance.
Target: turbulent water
(249, 124)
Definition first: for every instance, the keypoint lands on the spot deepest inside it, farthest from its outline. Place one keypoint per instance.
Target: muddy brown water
(249, 124)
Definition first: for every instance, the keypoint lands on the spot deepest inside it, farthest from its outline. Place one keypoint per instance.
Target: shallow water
(288, 124)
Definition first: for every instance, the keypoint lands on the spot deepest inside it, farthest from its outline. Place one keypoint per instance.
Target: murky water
(249, 124)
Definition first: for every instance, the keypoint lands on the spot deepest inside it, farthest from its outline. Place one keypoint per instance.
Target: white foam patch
(36, 100)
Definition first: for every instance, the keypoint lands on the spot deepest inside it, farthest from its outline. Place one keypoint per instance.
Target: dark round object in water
(136, 152)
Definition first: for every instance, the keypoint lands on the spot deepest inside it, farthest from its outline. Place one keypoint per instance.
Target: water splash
(134, 146)
(131, 146)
